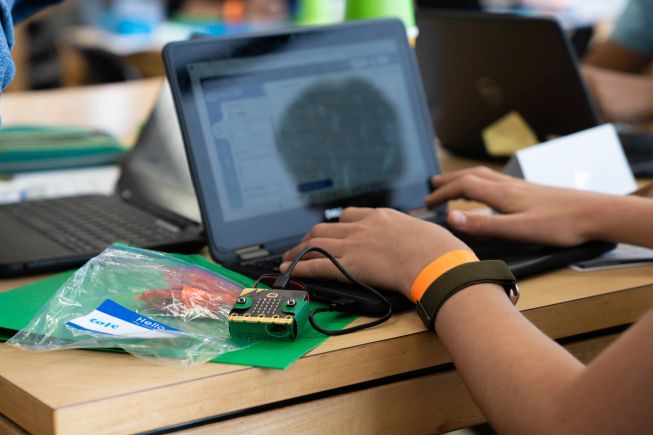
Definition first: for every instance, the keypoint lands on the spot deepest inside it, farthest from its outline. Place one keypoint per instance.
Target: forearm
(642, 100)
(624, 219)
(623, 97)
(514, 372)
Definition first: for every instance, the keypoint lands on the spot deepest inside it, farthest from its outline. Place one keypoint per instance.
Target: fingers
(330, 230)
(327, 235)
(353, 214)
(513, 226)
(480, 171)
(334, 246)
(471, 187)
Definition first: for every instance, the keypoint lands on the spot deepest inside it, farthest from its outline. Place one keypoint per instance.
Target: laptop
(153, 206)
(285, 129)
(479, 67)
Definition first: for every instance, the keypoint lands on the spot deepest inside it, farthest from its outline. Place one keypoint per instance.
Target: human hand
(530, 212)
(381, 247)
(621, 97)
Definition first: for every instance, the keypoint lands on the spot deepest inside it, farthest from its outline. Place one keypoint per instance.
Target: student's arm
(526, 383)
(536, 213)
(621, 97)
(630, 47)
(523, 381)
(613, 70)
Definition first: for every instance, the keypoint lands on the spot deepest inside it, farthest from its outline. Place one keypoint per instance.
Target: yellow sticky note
(508, 135)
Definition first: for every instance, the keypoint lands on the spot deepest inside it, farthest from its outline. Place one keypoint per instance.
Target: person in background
(524, 382)
(11, 13)
(614, 70)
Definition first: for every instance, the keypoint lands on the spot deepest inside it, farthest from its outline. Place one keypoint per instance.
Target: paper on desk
(18, 306)
(53, 184)
(623, 255)
(591, 160)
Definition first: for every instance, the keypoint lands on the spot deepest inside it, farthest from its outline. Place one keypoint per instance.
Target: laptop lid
(155, 172)
(479, 67)
(284, 129)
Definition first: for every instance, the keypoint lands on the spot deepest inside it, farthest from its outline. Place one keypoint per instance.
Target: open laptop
(479, 67)
(153, 206)
(285, 129)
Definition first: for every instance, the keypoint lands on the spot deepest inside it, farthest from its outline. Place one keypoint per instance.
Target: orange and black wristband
(437, 268)
(460, 277)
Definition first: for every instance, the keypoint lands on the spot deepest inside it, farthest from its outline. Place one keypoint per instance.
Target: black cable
(284, 278)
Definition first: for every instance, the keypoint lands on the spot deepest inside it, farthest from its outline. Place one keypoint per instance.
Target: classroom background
(103, 41)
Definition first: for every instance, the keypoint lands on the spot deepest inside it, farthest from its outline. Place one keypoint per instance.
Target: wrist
(594, 218)
(419, 259)
(438, 267)
(471, 302)
(460, 278)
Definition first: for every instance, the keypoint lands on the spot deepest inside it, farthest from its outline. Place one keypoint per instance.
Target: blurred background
(101, 41)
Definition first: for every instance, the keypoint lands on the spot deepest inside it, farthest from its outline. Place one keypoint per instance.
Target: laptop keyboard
(87, 224)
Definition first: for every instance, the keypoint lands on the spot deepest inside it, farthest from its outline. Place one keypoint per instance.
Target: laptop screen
(155, 172)
(289, 128)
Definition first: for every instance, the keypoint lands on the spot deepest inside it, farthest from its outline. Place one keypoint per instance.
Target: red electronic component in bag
(192, 293)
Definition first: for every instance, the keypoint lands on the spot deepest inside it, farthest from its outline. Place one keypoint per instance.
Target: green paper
(281, 354)
(18, 307)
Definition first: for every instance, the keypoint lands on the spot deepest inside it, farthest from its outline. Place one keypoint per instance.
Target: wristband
(460, 277)
(438, 267)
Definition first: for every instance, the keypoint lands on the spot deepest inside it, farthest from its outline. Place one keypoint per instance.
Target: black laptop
(154, 206)
(479, 67)
(285, 129)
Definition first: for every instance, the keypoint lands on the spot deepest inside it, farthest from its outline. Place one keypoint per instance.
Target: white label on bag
(113, 319)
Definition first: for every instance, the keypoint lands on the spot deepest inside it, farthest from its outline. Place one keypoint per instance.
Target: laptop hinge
(252, 252)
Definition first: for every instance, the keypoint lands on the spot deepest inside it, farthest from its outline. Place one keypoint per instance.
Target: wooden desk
(396, 378)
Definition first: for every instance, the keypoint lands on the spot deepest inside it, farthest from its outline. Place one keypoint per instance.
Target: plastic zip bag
(157, 306)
